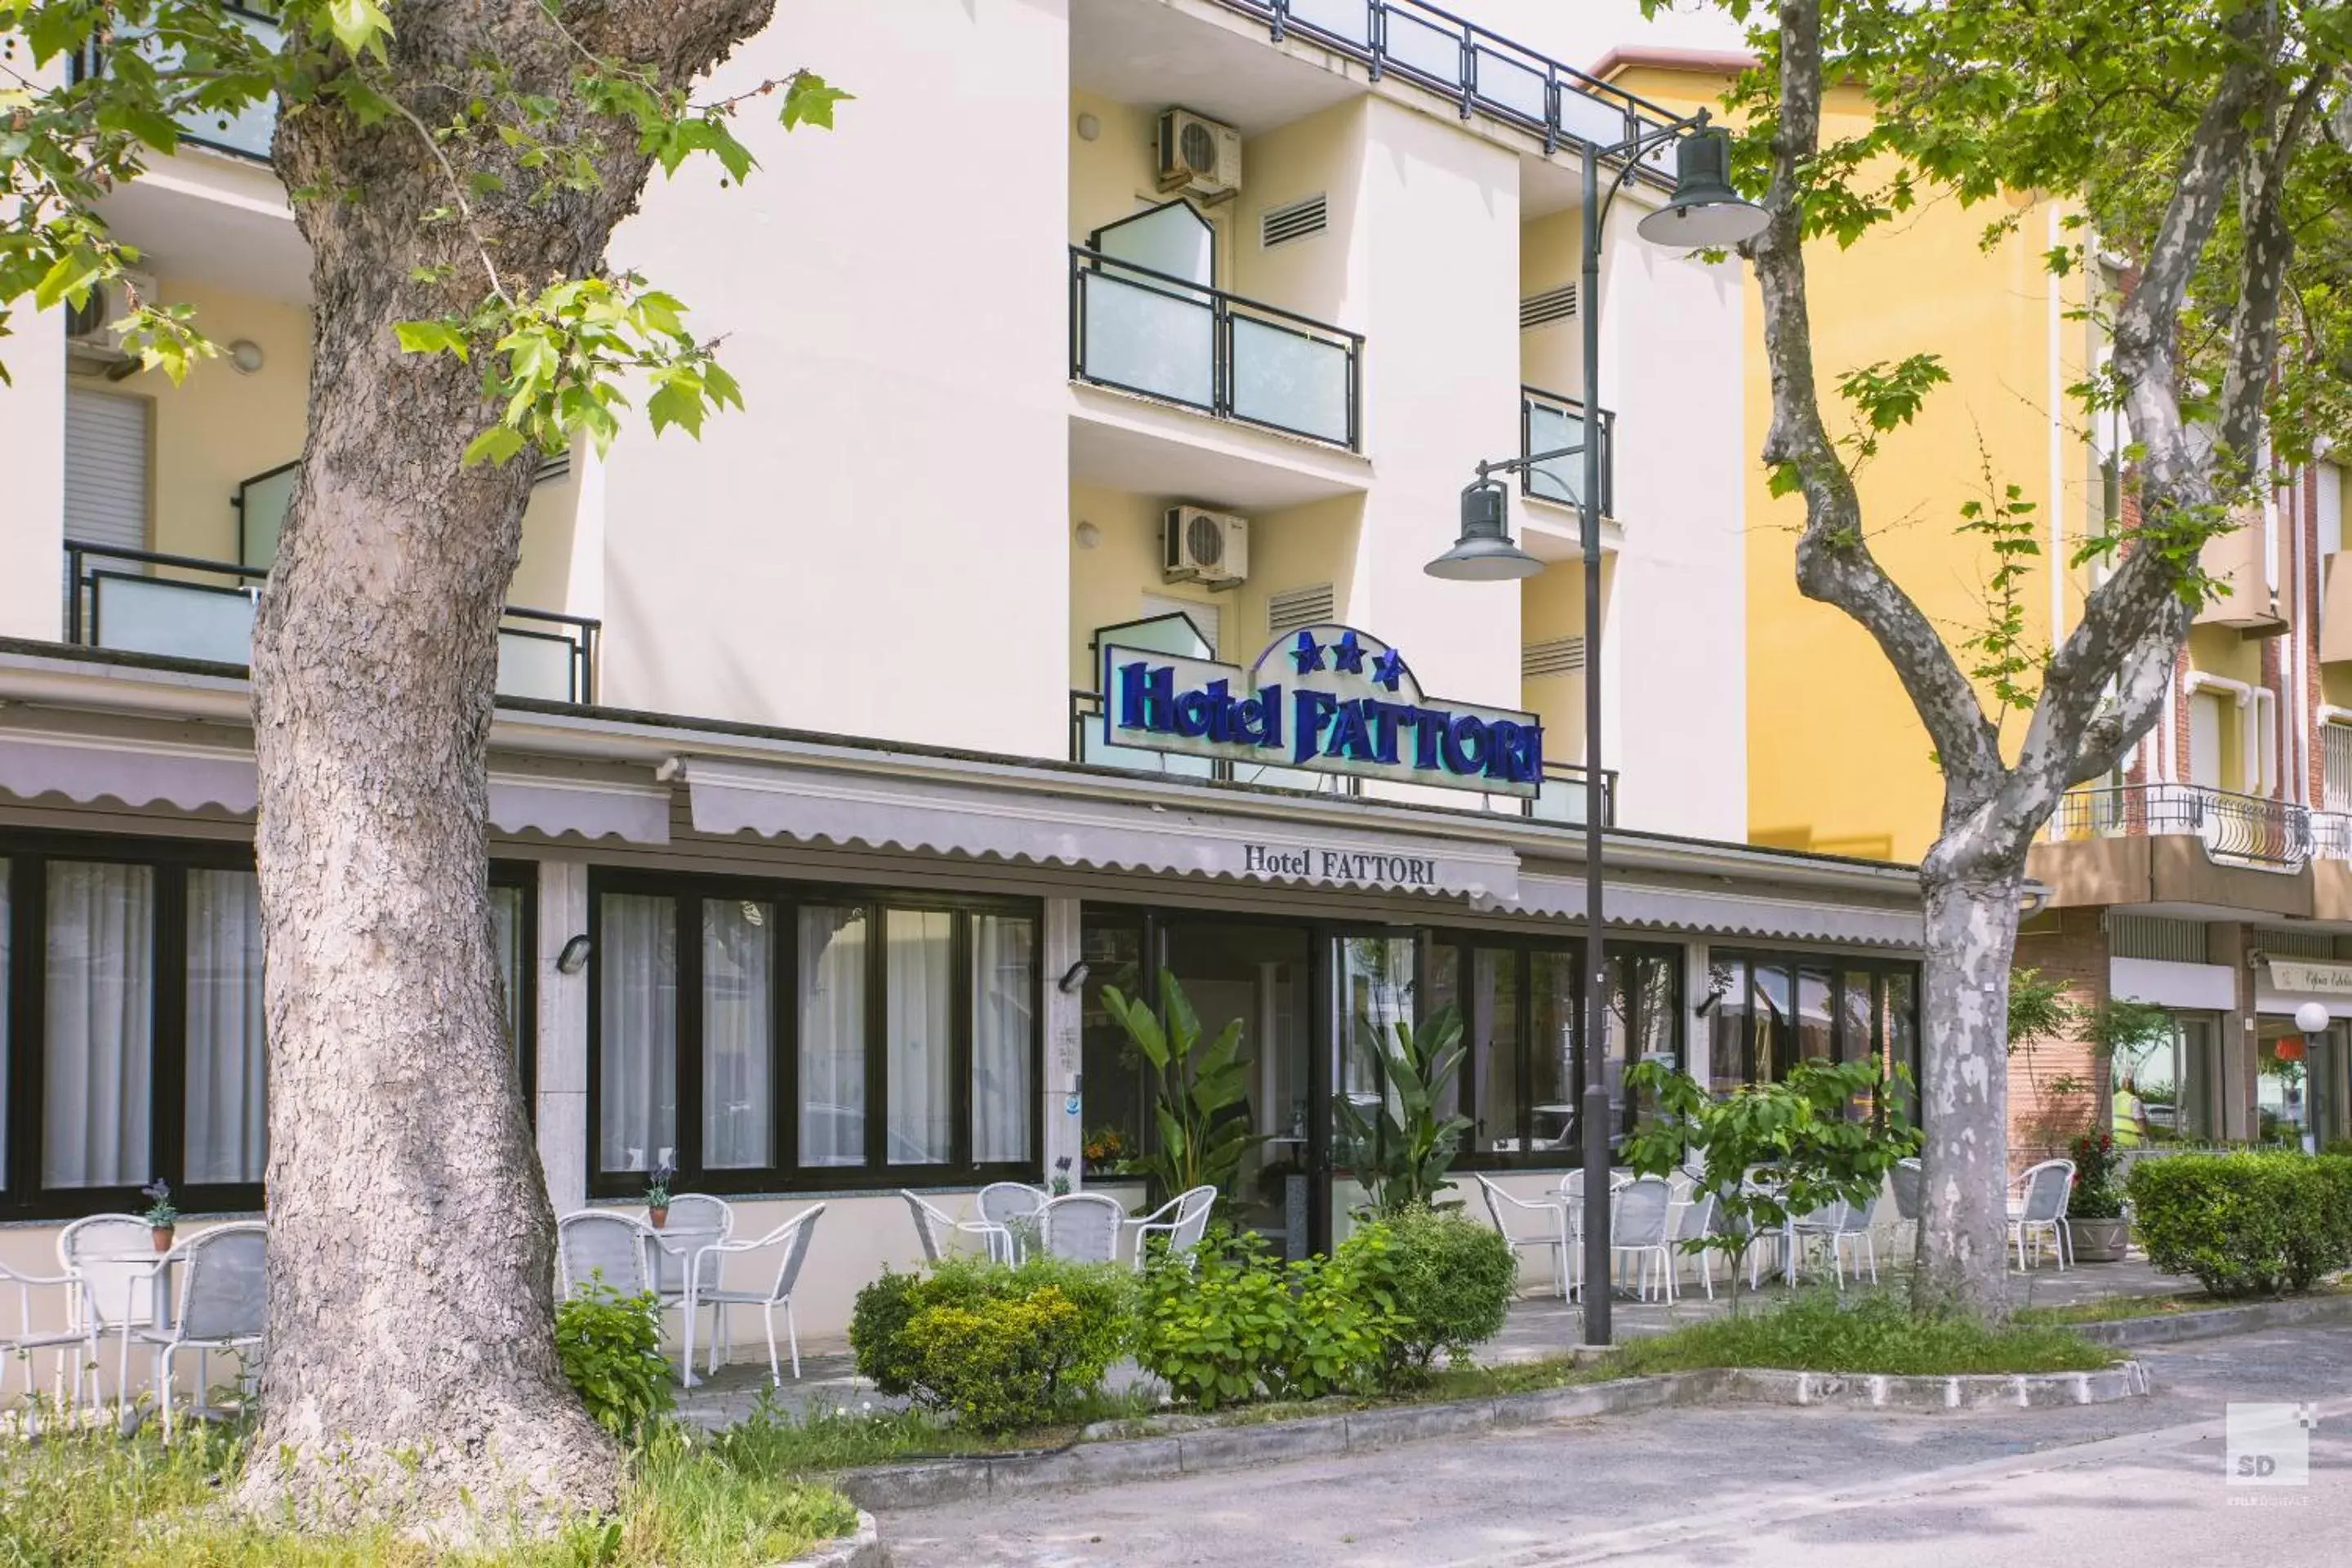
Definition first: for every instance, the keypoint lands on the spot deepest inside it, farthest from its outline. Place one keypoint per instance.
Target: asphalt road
(2141, 1482)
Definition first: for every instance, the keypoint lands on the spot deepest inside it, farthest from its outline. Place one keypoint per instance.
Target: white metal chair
(1017, 1212)
(2040, 1207)
(937, 1228)
(25, 1340)
(1694, 1221)
(1548, 1229)
(1183, 1219)
(689, 1213)
(1083, 1227)
(1909, 1180)
(112, 1258)
(1638, 1229)
(1779, 1239)
(607, 1246)
(793, 1237)
(224, 1302)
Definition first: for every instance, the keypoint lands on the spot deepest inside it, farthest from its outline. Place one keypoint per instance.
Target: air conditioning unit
(1206, 547)
(89, 335)
(1198, 157)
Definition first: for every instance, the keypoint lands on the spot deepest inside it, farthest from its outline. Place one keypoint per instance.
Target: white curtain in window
(636, 956)
(99, 1007)
(922, 1040)
(738, 966)
(507, 938)
(3, 1026)
(227, 1110)
(1004, 999)
(833, 1035)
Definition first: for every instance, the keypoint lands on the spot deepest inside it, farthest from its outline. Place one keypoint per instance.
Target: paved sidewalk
(1538, 1327)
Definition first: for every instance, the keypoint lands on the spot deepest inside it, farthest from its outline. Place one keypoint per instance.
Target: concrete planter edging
(1197, 1449)
(2243, 1318)
(861, 1550)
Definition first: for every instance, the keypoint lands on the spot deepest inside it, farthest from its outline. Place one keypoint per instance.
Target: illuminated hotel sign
(1326, 699)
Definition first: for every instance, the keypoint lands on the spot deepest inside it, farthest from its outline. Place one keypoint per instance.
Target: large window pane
(3, 1026)
(636, 956)
(1556, 1084)
(1442, 988)
(1729, 1060)
(738, 1031)
(1118, 1086)
(920, 999)
(227, 1119)
(1491, 1023)
(833, 1035)
(1003, 1032)
(1816, 1024)
(1774, 1024)
(99, 1006)
(1644, 1020)
(507, 938)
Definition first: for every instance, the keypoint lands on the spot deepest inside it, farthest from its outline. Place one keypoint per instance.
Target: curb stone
(863, 1549)
(2216, 1320)
(1198, 1450)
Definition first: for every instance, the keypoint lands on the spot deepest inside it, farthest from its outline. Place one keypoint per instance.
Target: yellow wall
(1837, 759)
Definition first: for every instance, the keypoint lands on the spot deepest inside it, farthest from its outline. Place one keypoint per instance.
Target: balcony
(245, 133)
(2237, 830)
(1140, 330)
(178, 607)
(1559, 798)
(1548, 423)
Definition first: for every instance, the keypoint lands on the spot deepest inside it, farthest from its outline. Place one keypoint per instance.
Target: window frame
(27, 853)
(786, 897)
(1790, 963)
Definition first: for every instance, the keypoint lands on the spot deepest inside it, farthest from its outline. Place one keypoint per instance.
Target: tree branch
(1833, 561)
(2266, 249)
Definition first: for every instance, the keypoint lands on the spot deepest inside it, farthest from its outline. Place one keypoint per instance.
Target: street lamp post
(1704, 212)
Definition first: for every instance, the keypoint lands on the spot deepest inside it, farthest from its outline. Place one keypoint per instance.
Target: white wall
(1673, 703)
(33, 477)
(892, 504)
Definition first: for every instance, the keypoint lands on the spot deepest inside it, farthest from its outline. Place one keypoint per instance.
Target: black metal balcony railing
(203, 610)
(1485, 73)
(2236, 829)
(1559, 798)
(1548, 423)
(1161, 335)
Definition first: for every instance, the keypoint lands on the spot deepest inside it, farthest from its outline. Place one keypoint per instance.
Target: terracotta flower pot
(659, 1218)
(161, 1235)
(2099, 1240)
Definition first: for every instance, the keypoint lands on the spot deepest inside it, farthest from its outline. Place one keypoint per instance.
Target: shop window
(99, 1015)
(226, 1136)
(739, 969)
(1003, 1024)
(919, 1049)
(1118, 1091)
(1730, 1055)
(1773, 1011)
(832, 1035)
(636, 956)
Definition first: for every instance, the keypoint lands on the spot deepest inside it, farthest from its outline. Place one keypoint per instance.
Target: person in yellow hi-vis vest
(2130, 1115)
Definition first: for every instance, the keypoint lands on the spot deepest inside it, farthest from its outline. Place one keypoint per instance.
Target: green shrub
(999, 1346)
(610, 1346)
(1243, 1327)
(2245, 1224)
(1447, 1279)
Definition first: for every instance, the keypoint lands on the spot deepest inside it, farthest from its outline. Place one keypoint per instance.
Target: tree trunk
(1971, 931)
(411, 1360)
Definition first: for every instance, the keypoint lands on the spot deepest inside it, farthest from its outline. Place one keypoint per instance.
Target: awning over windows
(953, 818)
(1723, 914)
(149, 770)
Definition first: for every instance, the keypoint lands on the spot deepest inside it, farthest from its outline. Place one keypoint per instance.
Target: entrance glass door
(1375, 986)
(1260, 976)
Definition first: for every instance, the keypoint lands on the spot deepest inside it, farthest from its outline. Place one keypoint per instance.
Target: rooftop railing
(182, 606)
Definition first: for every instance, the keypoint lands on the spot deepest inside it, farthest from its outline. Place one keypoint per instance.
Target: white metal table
(681, 1248)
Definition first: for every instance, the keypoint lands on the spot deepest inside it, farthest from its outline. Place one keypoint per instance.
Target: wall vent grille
(1294, 220)
(2294, 943)
(1560, 656)
(1552, 305)
(2152, 936)
(1294, 608)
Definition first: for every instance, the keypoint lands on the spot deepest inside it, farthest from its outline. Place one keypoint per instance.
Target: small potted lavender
(1061, 1188)
(658, 1194)
(159, 1213)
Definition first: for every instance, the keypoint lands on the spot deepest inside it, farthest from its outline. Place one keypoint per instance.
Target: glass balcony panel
(534, 664)
(1349, 20)
(261, 505)
(1425, 47)
(1147, 338)
(1550, 428)
(245, 132)
(1289, 380)
(1510, 83)
(1592, 119)
(1559, 800)
(1093, 748)
(1172, 239)
(171, 619)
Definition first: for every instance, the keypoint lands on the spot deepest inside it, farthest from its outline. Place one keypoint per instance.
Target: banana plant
(1402, 1152)
(1202, 1100)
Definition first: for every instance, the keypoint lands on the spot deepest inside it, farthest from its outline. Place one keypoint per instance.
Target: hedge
(2246, 1223)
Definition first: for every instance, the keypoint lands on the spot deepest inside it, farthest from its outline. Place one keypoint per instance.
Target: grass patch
(773, 1439)
(89, 1500)
(1874, 1332)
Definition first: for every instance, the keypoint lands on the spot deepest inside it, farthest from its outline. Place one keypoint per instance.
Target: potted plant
(658, 1194)
(2094, 1211)
(1061, 1183)
(161, 1215)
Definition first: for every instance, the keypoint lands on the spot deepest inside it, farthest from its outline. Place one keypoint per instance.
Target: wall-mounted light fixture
(245, 354)
(574, 956)
(1072, 979)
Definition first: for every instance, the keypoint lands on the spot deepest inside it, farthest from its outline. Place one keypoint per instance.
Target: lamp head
(2312, 1017)
(1484, 552)
(1704, 212)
